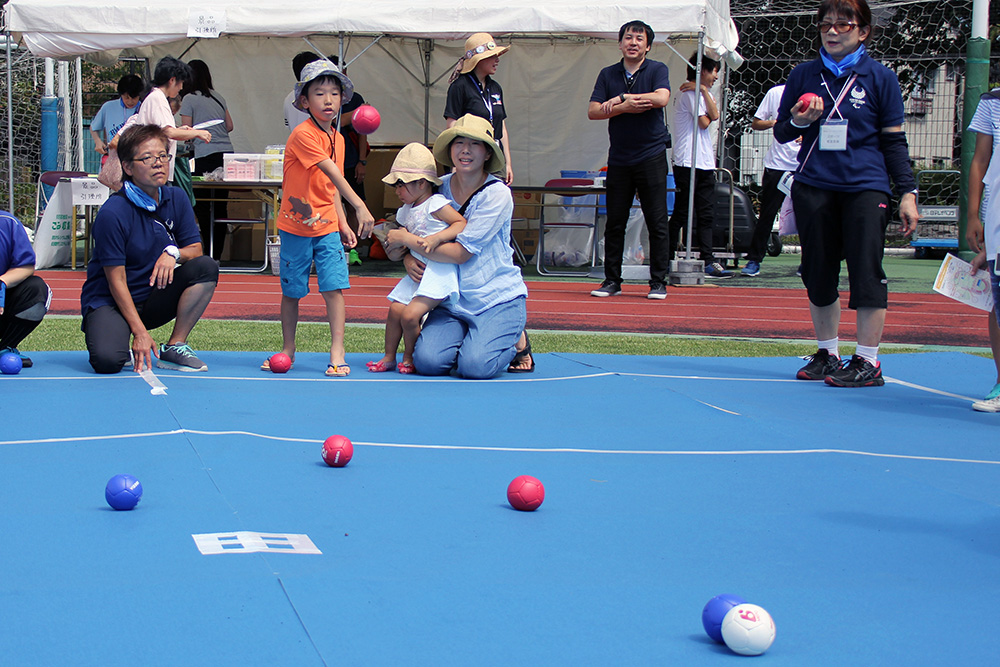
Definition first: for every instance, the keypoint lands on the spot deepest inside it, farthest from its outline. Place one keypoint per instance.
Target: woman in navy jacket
(853, 145)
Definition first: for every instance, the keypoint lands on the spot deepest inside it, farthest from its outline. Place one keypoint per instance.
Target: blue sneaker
(25, 361)
(715, 270)
(751, 269)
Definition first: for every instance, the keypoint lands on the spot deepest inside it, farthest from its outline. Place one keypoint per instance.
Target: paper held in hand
(955, 280)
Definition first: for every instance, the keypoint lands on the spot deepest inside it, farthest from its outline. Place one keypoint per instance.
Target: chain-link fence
(20, 130)
(923, 41)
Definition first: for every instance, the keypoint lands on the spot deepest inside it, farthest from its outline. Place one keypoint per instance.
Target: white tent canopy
(558, 48)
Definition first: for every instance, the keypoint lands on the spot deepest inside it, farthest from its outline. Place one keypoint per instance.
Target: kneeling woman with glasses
(854, 156)
(148, 267)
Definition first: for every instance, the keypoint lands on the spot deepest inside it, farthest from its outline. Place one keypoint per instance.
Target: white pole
(78, 116)
(980, 19)
(64, 117)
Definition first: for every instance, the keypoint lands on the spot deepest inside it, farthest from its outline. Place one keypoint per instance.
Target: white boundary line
(535, 450)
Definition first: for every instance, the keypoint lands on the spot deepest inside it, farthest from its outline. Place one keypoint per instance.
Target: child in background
(431, 217)
(311, 221)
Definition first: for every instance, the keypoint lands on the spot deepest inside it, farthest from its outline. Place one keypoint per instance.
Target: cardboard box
(527, 205)
(524, 232)
(380, 198)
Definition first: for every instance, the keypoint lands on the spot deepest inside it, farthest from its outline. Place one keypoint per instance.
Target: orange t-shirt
(307, 194)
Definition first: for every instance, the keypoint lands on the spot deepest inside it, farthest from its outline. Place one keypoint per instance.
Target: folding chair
(573, 189)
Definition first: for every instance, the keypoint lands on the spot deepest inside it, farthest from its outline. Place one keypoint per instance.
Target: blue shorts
(297, 256)
(995, 283)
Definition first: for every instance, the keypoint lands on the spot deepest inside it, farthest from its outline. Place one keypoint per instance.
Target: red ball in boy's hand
(366, 119)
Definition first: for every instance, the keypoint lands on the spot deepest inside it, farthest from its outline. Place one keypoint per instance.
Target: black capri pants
(107, 333)
(834, 226)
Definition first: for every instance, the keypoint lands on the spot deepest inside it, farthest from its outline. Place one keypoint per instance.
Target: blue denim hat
(316, 69)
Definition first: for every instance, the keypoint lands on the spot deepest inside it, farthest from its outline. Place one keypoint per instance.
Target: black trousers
(24, 306)
(835, 226)
(704, 210)
(771, 199)
(648, 181)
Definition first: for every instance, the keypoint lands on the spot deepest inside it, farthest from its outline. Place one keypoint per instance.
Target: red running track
(754, 312)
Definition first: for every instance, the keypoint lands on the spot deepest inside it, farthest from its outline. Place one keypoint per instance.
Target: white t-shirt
(292, 115)
(683, 132)
(155, 110)
(783, 157)
(986, 120)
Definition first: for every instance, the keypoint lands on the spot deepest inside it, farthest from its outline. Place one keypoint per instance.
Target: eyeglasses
(482, 48)
(156, 159)
(839, 27)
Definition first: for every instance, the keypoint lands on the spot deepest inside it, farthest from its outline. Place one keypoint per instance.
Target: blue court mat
(866, 521)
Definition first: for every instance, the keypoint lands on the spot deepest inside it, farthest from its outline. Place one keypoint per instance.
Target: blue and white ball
(123, 492)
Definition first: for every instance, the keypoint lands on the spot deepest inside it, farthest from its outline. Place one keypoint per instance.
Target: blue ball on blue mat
(123, 492)
(715, 611)
(10, 363)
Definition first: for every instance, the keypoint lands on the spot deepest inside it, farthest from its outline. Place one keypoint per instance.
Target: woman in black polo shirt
(472, 90)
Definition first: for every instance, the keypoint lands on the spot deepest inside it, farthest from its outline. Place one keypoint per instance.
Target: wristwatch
(622, 96)
(173, 251)
(363, 162)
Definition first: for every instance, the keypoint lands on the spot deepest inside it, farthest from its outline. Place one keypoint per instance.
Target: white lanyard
(484, 94)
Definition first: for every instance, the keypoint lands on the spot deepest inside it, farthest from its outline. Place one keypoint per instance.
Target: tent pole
(428, 47)
(10, 129)
(694, 142)
(78, 116)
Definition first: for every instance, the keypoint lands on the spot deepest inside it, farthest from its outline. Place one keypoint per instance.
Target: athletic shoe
(657, 291)
(180, 358)
(798, 271)
(25, 361)
(991, 403)
(715, 270)
(856, 372)
(821, 364)
(607, 288)
(751, 269)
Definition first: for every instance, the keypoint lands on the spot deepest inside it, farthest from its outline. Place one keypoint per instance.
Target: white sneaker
(991, 403)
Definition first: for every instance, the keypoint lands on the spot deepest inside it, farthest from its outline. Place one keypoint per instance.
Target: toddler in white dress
(430, 216)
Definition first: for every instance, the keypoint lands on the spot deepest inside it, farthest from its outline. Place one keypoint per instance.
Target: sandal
(406, 368)
(266, 366)
(379, 366)
(520, 357)
(337, 370)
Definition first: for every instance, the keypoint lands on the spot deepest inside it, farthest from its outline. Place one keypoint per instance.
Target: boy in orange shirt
(311, 221)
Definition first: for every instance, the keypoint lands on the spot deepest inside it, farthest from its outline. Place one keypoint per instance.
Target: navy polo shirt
(125, 235)
(466, 96)
(635, 137)
(873, 101)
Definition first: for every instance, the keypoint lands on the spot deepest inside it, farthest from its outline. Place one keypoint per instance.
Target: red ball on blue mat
(525, 493)
(123, 492)
(337, 451)
(279, 363)
(10, 363)
(715, 611)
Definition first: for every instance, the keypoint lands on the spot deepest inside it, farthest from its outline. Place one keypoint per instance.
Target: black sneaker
(657, 291)
(607, 288)
(821, 364)
(858, 372)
